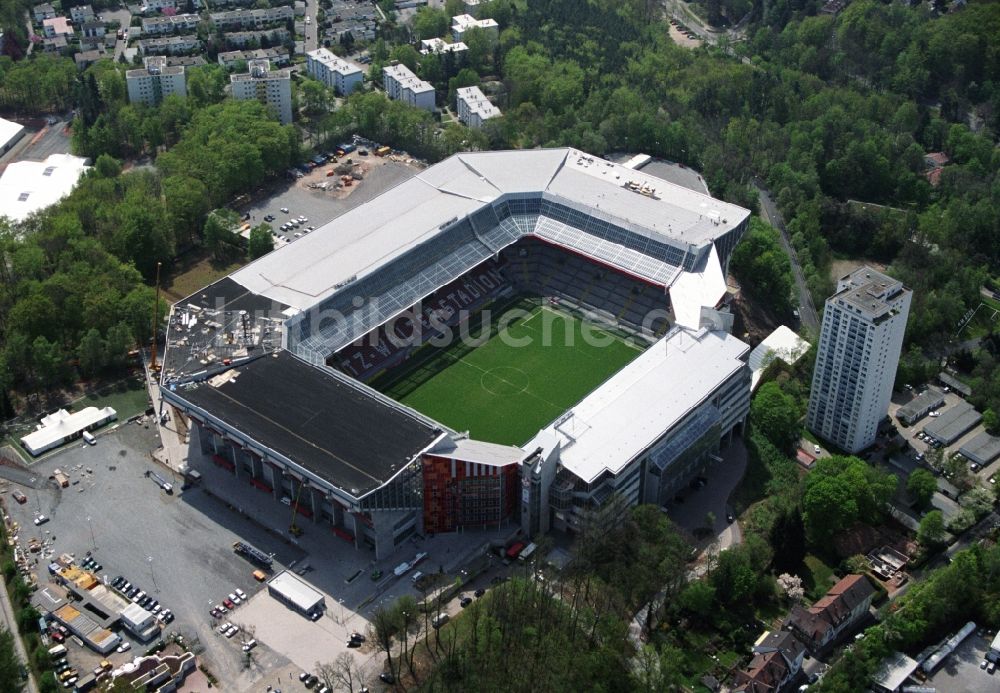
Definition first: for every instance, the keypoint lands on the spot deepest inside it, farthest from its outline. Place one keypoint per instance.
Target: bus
(528, 550)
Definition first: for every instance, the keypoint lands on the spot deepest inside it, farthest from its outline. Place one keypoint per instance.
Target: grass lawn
(128, 397)
(817, 578)
(195, 271)
(517, 381)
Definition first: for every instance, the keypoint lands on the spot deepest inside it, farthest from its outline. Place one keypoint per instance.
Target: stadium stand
(391, 343)
(604, 294)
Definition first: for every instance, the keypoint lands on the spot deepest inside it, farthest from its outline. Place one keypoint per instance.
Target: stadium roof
(333, 428)
(953, 422)
(9, 131)
(28, 186)
(982, 449)
(632, 409)
(367, 238)
(478, 452)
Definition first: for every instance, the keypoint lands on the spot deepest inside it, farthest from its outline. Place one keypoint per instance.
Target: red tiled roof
(765, 674)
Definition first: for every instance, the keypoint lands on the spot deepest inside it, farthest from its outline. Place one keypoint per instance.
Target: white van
(89, 438)
(57, 652)
(416, 576)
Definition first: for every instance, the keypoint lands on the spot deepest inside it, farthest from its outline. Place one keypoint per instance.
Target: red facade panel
(454, 499)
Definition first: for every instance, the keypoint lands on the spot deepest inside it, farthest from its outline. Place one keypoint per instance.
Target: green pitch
(534, 364)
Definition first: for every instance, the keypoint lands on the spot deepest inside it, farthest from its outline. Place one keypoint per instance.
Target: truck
(60, 478)
(528, 550)
(382, 151)
(160, 481)
(252, 553)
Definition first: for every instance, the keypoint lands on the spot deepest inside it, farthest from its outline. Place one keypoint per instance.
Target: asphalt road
(807, 310)
(311, 29)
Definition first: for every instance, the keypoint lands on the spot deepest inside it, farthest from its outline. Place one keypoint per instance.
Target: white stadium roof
(630, 411)
(28, 186)
(365, 239)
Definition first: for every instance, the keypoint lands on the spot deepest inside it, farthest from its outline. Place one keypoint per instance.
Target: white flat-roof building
(10, 133)
(340, 75)
(156, 81)
(271, 87)
(61, 427)
(28, 186)
(57, 26)
(643, 433)
(402, 85)
(440, 46)
(288, 589)
(474, 108)
(461, 23)
(859, 346)
(140, 622)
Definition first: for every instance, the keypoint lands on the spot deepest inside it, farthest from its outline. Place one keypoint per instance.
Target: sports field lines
(517, 381)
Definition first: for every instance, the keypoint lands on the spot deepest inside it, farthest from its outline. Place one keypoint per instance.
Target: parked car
(41, 519)
(465, 601)
(284, 210)
(19, 497)
(234, 598)
(480, 592)
(125, 646)
(358, 636)
(353, 643)
(241, 594)
(224, 627)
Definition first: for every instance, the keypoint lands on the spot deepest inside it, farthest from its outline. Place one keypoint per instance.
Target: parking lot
(177, 548)
(320, 206)
(963, 670)
(172, 546)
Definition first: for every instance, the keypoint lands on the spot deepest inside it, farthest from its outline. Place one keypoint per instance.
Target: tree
(777, 416)
(261, 241)
(91, 352)
(343, 674)
(763, 267)
(698, 598)
(219, 233)
(49, 362)
(841, 491)
(430, 23)
(931, 532)
(921, 485)
(315, 96)
(10, 664)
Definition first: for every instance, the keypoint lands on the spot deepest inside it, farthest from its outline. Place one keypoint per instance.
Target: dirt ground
(839, 268)
(752, 324)
(682, 39)
(360, 164)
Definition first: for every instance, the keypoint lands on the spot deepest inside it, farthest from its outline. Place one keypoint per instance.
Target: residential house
(242, 39)
(777, 660)
(244, 19)
(934, 163)
(172, 45)
(93, 29)
(843, 606)
(159, 26)
(56, 44)
(57, 26)
(276, 56)
(43, 12)
(81, 14)
(86, 58)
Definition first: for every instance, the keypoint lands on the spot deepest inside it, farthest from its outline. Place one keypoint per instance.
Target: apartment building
(271, 87)
(440, 46)
(245, 19)
(474, 108)
(859, 347)
(340, 75)
(159, 26)
(155, 81)
(276, 56)
(402, 85)
(461, 23)
(173, 45)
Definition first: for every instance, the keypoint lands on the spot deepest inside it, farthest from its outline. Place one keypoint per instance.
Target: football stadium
(507, 337)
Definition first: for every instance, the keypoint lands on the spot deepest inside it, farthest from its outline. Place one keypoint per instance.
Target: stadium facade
(271, 363)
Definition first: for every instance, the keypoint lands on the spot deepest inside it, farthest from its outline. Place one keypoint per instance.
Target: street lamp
(152, 575)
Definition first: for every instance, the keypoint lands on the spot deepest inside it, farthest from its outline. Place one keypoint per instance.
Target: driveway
(769, 211)
(723, 478)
